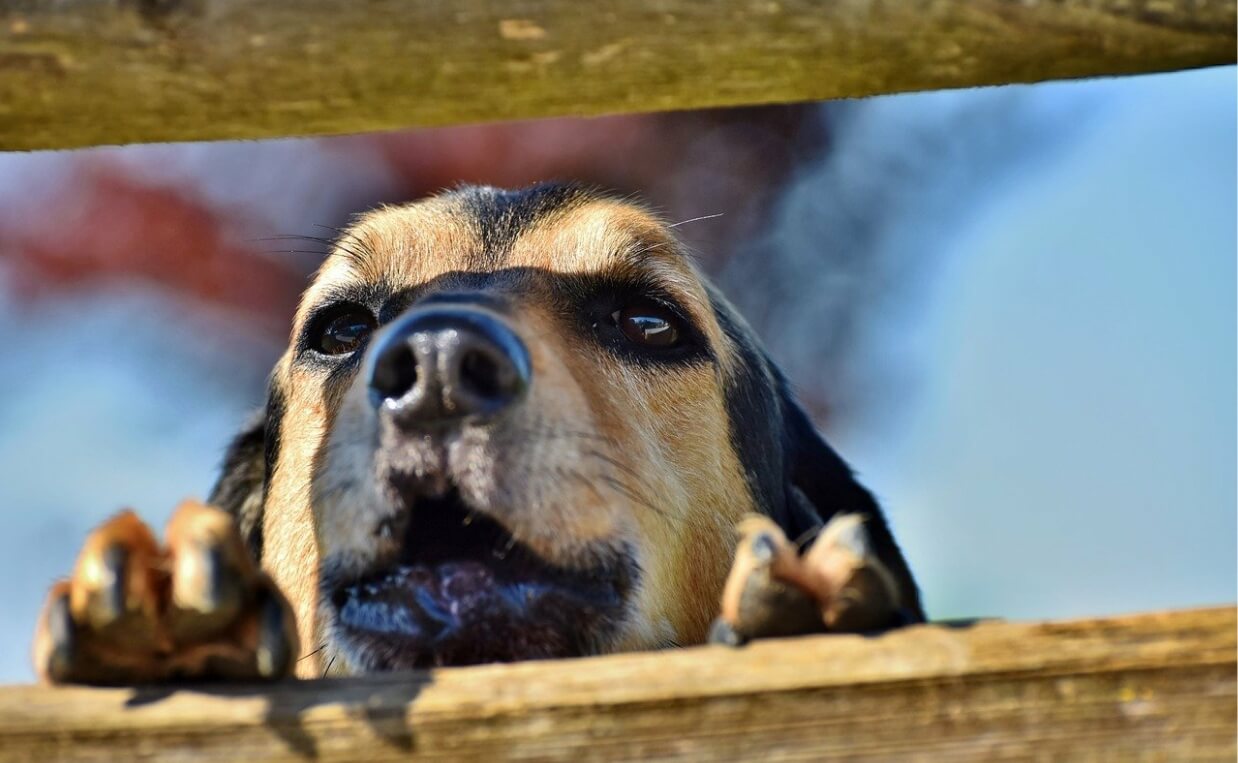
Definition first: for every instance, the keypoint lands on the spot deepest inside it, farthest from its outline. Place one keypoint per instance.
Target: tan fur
(290, 554)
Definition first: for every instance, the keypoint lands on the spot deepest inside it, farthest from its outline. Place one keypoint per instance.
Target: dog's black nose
(438, 364)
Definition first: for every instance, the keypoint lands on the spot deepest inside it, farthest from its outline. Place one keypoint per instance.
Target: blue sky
(1069, 447)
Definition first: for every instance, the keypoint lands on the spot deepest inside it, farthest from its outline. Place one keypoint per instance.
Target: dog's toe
(762, 598)
(117, 583)
(56, 642)
(276, 648)
(227, 619)
(71, 650)
(213, 577)
(855, 591)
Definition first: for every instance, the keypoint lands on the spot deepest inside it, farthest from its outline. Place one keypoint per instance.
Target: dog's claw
(762, 597)
(721, 632)
(275, 654)
(763, 548)
(856, 591)
(106, 604)
(58, 662)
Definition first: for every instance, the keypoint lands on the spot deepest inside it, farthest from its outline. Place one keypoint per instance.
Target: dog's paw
(134, 611)
(837, 585)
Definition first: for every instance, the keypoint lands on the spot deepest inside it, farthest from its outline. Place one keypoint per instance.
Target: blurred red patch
(108, 229)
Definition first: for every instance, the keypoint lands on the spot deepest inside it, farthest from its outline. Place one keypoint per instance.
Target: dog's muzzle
(458, 587)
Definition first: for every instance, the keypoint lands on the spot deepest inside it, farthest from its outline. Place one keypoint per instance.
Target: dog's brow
(643, 253)
(660, 266)
(661, 260)
(353, 248)
(361, 292)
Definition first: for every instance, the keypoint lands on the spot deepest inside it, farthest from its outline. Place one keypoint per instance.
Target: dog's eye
(343, 332)
(648, 324)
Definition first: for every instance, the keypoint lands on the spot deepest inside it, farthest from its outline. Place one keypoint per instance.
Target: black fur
(501, 215)
(754, 412)
(820, 475)
(796, 478)
(246, 472)
(272, 432)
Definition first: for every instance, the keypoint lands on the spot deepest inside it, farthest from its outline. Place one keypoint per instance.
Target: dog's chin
(464, 591)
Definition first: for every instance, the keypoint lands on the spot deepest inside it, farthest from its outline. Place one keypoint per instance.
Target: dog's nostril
(481, 376)
(440, 366)
(395, 372)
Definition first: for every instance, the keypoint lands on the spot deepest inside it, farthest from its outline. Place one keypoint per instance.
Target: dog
(509, 425)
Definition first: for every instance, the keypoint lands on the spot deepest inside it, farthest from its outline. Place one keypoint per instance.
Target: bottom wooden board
(1145, 687)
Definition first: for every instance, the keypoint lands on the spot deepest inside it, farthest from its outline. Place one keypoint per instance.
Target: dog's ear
(820, 485)
(242, 481)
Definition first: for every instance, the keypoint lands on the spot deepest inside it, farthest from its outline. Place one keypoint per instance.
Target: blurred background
(1012, 309)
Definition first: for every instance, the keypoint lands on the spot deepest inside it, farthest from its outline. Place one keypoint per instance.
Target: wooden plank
(1146, 687)
(84, 72)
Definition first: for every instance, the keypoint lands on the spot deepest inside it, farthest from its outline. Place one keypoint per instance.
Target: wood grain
(85, 72)
(1146, 687)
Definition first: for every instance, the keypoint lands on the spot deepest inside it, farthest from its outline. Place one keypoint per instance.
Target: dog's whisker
(626, 490)
(355, 250)
(696, 219)
(578, 477)
(294, 237)
(330, 244)
(358, 251)
(552, 432)
(533, 437)
(311, 654)
(647, 249)
(338, 231)
(612, 461)
(617, 464)
(618, 485)
(294, 251)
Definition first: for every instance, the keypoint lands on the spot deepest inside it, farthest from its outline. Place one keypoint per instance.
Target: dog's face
(515, 425)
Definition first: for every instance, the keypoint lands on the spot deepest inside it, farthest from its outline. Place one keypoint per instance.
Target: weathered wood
(1154, 687)
(84, 72)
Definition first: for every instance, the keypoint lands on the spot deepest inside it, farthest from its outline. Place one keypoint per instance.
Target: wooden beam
(1155, 687)
(85, 72)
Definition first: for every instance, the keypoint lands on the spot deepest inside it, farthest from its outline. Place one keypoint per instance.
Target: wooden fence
(1147, 687)
(85, 72)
